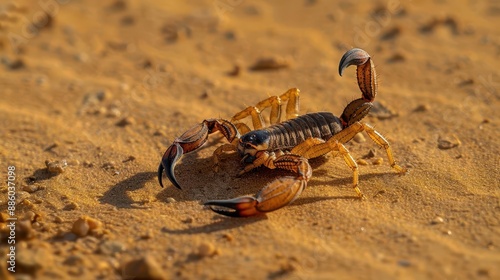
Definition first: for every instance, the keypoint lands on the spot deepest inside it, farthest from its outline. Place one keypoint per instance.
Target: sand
(102, 88)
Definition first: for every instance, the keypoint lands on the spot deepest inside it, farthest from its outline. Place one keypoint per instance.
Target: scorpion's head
(251, 143)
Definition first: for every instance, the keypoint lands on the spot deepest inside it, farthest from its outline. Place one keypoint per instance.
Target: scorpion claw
(168, 162)
(353, 57)
(275, 195)
(244, 206)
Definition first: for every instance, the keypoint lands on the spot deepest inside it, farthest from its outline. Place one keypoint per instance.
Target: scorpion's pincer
(168, 162)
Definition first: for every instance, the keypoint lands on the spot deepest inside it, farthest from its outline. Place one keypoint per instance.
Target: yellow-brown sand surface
(100, 89)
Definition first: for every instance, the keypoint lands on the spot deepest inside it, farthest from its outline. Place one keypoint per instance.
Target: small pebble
(270, 63)
(143, 268)
(85, 225)
(188, 220)
(80, 227)
(109, 165)
(170, 200)
(437, 220)
(235, 72)
(370, 154)
(446, 143)
(359, 138)
(361, 162)
(377, 161)
(56, 167)
(229, 237)
(147, 235)
(71, 206)
(113, 113)
(422, 108)
(73, 162)
(126, 121)
(404, 263)
(30, 188)
(111, 247)
(206, 249)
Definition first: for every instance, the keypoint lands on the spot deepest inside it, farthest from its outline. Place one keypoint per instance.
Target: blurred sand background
(105, 86)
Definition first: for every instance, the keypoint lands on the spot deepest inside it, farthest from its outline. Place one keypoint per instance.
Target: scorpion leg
(273, 196)
(315, 147)
(291, 96)
(191, 140)
(383, 143)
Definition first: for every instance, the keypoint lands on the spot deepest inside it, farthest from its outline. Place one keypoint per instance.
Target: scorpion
(286, 145)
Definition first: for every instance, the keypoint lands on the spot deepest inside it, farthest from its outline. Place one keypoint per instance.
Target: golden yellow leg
(382, 142)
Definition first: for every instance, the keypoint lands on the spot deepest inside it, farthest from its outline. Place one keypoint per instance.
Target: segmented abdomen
(288, 134)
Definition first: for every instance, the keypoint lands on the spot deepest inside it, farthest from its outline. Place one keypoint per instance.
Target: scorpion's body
(286, 145)
(288, 134)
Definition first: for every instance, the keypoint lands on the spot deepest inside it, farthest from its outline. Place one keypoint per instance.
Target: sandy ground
(102, 88)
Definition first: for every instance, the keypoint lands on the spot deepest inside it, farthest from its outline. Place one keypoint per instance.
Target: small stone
(370, 154)
(111, 247)
(80, 227)
(377, 161)
(361, 162)
(30, 188)
(69, 236)
(235, 72)
(382, 112)
(113, 113)
(205, 94)
(147, 235)
(447, 143)
(422, 108)
(188, 220)
(109, 165)
(437, 220)
(170, 200)
(229, 237)
(58, 220)
(143, 268)
(73, 162)
(75, 260)
(86, 225)
(404, 263)
(206, 249)
(359, 138)
(56, 167)
(126, 121)
(270, 63)
(71, 206)
(130, 158)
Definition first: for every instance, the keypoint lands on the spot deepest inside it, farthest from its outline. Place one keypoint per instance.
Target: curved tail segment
(367, 78)
(367, 82)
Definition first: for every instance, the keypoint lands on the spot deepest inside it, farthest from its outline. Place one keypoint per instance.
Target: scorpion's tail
(367, 78)
(367, 82)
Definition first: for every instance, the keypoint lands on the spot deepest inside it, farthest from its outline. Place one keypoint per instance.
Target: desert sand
(100, 89)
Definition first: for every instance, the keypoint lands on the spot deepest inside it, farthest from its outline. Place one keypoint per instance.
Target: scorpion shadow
(117, 195)
(221, 223)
